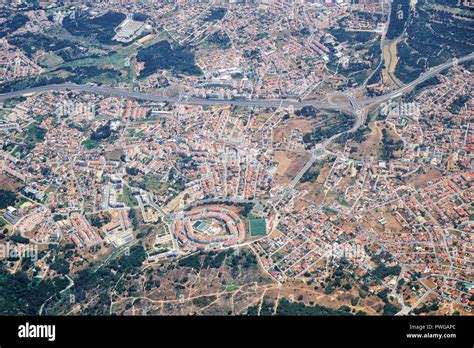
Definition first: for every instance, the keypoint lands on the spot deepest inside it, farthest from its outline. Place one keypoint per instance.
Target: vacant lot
(370, 148)
(9, 184)
(289, 164)
(423, 178)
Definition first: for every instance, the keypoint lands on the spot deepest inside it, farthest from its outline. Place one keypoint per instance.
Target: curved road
(239, 102)
(422, 78)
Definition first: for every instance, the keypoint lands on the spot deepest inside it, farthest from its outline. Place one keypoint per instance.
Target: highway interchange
(242, 102)
(357, 106)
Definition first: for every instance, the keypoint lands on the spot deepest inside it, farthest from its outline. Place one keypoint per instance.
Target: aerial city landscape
(236, 157)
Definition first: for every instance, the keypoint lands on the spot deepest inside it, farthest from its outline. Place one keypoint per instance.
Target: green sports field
(257, 226)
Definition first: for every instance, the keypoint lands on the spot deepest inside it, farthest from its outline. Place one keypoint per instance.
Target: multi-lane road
(112, 91)
(320, 104)
(422, 78)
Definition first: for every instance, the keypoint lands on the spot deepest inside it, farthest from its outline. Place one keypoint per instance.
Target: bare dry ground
(289, 164)
(282, 132)
(391, 224)
(8, 183)
(370, 148)
(314, 294)
(423, 178)
(314, 190)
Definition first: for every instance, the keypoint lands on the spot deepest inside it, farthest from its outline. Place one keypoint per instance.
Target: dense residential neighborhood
(226, 158)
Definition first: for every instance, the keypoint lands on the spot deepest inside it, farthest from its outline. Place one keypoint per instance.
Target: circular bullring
(203, 228)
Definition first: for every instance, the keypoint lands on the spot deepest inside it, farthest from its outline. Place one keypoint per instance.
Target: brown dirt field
(315, 193)
(259, 119)
(297, 163)
(283, 130)
(289, 164)
(8, 183)
(283, 162)
(174, 203)
(423, 179)
(370, 148)
(391, 223)
(346, 181)
(278, 135)
(302, 124)
(300, 205)
(275, 233)
(461, 310)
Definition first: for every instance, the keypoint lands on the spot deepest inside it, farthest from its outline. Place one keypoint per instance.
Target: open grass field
(130, 200)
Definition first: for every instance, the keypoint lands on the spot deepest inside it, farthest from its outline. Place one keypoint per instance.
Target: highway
(422, 78)
(240, 102)
(112, 91)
